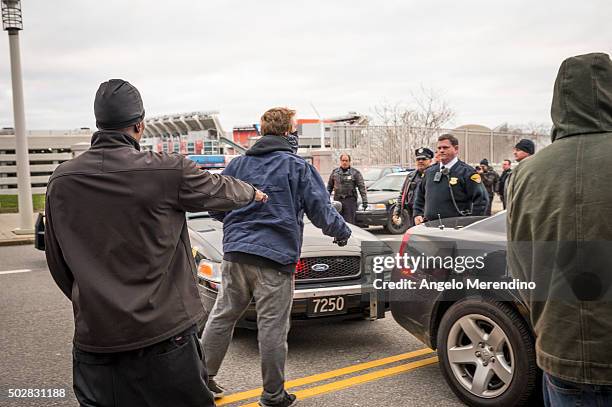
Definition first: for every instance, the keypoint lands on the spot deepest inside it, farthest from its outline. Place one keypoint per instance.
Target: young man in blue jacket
(261, 245)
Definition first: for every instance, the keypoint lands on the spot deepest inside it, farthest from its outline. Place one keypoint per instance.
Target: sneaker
(288, 400)
(215, 388)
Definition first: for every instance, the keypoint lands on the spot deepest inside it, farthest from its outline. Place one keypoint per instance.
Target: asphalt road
(382, 365)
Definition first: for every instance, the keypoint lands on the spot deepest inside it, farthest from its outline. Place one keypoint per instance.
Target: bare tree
(392, 118)
(413, 125)
(538, 132)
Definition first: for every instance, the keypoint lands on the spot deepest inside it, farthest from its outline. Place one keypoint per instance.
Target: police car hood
(315, 242)
(380, 197)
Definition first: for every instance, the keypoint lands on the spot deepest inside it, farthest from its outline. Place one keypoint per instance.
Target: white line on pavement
(16, 271)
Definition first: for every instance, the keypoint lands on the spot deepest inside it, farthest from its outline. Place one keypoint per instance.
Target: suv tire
(487, 354)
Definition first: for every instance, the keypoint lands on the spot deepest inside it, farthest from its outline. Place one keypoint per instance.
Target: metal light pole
(12, 22)
(321, 127)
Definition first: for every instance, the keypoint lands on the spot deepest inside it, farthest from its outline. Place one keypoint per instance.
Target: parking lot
(348, 363)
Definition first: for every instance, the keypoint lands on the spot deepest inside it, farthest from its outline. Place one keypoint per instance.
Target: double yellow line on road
(345, 383)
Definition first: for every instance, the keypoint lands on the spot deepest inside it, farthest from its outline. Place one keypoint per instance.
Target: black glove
(340, 242)
(364, 205)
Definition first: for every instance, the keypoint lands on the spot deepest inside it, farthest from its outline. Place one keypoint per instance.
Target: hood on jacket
(268, 144)
(582, 97)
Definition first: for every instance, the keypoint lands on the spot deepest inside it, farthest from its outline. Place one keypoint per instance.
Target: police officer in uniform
(405, 200)
(490, 178)
(343, 182)
(450, 188)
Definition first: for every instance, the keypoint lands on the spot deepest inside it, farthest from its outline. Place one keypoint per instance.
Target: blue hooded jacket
(274, 229)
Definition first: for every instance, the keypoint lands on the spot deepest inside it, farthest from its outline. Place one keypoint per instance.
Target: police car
(330, 281)
(373, 174)
(382, 198)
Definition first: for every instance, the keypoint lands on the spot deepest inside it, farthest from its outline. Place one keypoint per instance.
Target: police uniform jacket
(408, 191)
(344, 184)
(434, 198)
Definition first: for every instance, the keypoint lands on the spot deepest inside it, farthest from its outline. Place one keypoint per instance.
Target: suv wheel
(487, 353)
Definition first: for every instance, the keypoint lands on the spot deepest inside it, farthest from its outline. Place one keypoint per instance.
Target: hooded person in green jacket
(560, 236)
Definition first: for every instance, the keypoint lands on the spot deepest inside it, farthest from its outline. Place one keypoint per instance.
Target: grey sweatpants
(273, 294)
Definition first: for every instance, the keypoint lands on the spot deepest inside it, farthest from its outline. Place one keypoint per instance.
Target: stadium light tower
(13, 23)
(321, 126)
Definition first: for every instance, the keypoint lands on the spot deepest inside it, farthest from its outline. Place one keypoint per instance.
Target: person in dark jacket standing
(117, 246)
(405, 200)
(450, 188)
(524, 149)
(344, 182)
(490, 179)
(261, 246)
(560, 236)
(501, 185)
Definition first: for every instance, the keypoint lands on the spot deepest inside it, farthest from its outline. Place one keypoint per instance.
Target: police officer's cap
(117, 105)
(424, 152)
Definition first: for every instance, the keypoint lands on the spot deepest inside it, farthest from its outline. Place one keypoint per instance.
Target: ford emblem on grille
(320, 267)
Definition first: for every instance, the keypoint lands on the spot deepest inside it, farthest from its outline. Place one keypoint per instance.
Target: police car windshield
(389, 183)
(372, 174)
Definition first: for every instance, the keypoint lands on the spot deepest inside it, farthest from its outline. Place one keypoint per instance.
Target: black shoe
(216, 390)
(288, 400)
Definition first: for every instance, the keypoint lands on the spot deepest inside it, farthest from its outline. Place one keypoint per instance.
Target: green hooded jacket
(560, 226)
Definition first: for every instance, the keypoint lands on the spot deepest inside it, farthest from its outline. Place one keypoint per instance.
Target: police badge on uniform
(453, 180)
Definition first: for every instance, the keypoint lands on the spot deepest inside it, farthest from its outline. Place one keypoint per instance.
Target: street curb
(17, 242)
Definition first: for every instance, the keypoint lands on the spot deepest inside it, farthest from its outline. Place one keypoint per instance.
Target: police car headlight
(209, 270)
(372, 207)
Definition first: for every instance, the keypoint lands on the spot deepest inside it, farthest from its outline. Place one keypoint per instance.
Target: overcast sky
(494, 61)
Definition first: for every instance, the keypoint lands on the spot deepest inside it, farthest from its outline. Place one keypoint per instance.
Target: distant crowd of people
(443, 186)
(457, 191)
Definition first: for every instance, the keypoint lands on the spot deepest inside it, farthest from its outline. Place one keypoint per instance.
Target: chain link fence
(395, 145)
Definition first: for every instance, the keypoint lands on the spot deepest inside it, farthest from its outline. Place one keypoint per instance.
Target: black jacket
(501, 185)
(117, 243)
(434, 199)
(405, 200)
(490, 181)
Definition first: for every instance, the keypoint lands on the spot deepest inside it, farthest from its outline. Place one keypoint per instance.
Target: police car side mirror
(337, 205)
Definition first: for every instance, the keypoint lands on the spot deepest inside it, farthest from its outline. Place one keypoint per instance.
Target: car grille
(327, 268)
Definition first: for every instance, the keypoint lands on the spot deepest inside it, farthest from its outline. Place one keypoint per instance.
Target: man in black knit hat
(523, 149)
(117, 246)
